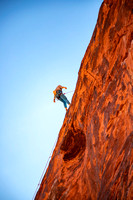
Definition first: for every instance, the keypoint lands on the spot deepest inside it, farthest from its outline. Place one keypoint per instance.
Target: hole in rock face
(73, 144)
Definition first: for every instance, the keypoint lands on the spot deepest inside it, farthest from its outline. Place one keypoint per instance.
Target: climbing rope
(68, 92)
(44, 170)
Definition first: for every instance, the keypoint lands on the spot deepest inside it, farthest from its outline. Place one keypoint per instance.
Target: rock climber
(60, 96)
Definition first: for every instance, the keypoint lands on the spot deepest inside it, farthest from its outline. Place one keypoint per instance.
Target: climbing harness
(58, 94)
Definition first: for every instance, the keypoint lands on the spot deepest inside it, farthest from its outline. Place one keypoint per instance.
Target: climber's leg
(64, 102)
(65, 99)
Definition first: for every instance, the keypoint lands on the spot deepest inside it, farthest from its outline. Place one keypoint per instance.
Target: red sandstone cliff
(93, 158)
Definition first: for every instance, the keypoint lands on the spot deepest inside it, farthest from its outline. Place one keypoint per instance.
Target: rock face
(93, 157)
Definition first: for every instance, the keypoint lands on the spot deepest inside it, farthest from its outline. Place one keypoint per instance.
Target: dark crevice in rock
(73, 144)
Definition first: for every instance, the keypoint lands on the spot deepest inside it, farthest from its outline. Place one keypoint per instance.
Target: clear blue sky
(42, 44)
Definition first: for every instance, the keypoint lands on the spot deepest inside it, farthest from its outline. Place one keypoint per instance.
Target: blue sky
(42, 44)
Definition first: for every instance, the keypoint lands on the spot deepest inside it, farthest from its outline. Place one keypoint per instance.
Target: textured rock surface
(93, 158)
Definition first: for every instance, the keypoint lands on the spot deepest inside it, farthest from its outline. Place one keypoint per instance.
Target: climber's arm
(64, 87)
(54, 98)
(54, 92)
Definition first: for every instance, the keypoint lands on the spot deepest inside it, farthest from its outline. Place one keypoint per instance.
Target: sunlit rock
(93, 156)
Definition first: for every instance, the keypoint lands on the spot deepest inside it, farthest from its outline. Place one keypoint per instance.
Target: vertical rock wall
(93, 158)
